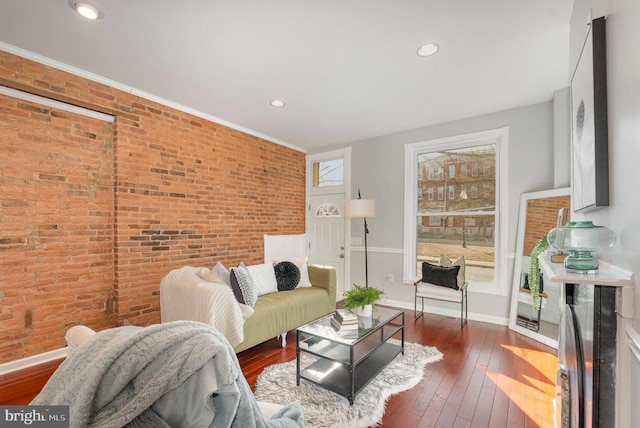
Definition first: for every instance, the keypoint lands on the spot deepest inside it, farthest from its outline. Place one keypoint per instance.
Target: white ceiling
(347, 69)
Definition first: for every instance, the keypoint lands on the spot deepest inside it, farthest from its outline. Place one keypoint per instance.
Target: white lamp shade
(360, 208)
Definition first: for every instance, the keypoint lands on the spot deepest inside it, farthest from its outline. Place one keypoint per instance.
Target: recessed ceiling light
(86, 10)
(277, 102)
(428, 49)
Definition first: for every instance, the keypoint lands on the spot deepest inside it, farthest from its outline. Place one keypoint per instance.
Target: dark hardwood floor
(489, 377)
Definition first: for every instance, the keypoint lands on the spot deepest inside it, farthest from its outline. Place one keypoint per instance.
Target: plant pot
(365, 322)
(364, 311)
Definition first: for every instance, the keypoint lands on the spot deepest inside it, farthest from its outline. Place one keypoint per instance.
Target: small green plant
(360, 296)
(534, 270)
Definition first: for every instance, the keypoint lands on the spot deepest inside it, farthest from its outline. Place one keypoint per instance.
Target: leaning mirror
(538, 215)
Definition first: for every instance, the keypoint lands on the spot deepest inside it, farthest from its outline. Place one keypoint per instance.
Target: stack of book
(346, 323)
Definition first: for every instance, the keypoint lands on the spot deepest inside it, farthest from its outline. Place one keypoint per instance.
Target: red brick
(93, 214)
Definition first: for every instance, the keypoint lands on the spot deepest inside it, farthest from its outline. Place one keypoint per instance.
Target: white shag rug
(324, 409)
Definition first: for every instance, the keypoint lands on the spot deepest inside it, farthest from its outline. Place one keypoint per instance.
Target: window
(328, 173)
(327, 209)
(440, 173)
(462, 223)
(430, 173)
(430, 193)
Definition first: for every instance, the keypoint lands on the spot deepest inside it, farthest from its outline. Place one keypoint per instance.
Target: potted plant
(361, 299)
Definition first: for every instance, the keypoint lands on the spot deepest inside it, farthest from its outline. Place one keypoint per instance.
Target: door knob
(342, 256)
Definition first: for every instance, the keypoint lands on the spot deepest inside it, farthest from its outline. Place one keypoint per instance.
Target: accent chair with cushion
(444, 281)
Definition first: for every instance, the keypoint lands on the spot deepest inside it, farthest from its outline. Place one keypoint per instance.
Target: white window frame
(499, 137)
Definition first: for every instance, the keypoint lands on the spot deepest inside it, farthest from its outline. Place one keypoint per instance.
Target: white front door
(326, 234)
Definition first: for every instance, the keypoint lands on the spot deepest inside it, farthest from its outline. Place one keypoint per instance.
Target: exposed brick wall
(542, 216)
(56, 225)
(182, 190)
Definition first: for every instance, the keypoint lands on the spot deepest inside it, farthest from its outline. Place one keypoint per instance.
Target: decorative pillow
(287, 275)
(301, 262)
(208, 275)
(445, 261)
(243, 287)
(222, 273)
(440, 275)
(264, 277)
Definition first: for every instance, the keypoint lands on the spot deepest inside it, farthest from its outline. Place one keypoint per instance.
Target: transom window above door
(328, 173)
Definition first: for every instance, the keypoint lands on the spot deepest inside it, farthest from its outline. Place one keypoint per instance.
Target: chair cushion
(440, 275)
(432, 291)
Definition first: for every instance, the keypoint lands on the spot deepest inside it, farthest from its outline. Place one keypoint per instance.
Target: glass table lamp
(581, 239)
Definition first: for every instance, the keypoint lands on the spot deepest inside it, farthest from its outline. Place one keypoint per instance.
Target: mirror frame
(517, 267)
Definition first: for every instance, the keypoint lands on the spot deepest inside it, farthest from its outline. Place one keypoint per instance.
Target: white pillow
(264, 277)
(445, 261)
(207, 275)
(301, 262)
(223, 274)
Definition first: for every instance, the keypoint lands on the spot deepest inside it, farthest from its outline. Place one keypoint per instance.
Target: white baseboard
(34, 360)
(449, 312)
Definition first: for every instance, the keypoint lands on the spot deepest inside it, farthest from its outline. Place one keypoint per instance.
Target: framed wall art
(589, 129)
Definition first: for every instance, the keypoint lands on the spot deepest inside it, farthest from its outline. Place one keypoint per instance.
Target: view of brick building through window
(456, 207)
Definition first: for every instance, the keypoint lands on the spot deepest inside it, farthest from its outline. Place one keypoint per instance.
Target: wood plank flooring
(490, 376)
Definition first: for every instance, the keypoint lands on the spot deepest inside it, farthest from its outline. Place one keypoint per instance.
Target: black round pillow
(287, 275)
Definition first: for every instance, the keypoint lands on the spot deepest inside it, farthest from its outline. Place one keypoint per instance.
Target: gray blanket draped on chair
(120, 375)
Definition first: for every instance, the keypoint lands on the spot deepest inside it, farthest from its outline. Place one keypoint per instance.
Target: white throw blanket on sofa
(183, 287)
(119, 377)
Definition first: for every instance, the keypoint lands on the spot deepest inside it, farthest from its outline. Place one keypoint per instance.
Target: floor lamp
(361, 208)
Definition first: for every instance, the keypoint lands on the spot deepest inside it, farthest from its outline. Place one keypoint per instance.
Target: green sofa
(280, 312)
(195, 294)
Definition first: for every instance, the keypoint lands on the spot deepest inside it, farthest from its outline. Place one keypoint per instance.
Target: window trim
(499, 137)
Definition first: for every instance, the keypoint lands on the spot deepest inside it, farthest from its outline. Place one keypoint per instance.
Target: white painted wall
(535, 164)
(378, 170)
(623, 214)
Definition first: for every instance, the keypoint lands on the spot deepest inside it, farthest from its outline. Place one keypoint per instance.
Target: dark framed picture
(589, 129)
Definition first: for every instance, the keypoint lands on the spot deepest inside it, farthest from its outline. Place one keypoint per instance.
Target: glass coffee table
(346, 363)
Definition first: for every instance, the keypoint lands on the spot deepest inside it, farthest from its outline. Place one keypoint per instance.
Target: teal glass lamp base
(581, 262)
